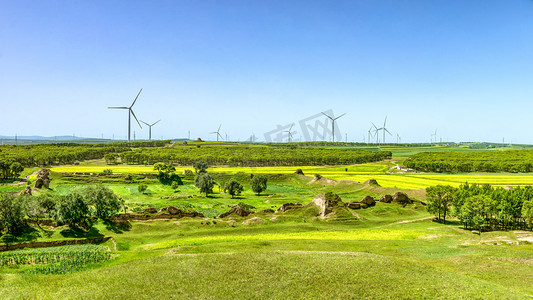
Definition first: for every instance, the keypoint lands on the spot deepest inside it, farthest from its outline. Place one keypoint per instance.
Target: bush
(174, 185)
(142, 187)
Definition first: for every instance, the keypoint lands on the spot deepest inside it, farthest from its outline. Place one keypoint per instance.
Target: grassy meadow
(386, 251)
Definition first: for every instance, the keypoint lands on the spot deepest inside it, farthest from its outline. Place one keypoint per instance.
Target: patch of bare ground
(524, 236)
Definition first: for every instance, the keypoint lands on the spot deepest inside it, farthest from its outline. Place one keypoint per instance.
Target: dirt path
(411, 221)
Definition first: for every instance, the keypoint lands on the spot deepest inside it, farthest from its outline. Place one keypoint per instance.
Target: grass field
(379, 258)
(387, 251)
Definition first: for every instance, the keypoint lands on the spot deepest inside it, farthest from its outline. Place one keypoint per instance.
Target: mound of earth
(354, 205)
(327, 202)
(150, 210)
(299, 171)
(368, 200)
(286, 206)
(254, 220)
(238, 210)
(171, 210)
(42, 179)
(372, 182)
(323, 180)
(386, 199)
(401, 198)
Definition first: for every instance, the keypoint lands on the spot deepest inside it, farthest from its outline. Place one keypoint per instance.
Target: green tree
(165, 171)
(142, 187)
(475, 211)
(11, 212)
(204, 182)
(527, 212)
(71, 209)
(200, 166)
(16, 168)
(439, 199)
(104, 200)
(111, 158)
(259, 183)
(233, 188)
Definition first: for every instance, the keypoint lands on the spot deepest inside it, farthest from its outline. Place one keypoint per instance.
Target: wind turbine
(217, 132)
(434, 135)
(130, 112)
(332, 125)
(289, 132)
(150, 126)
(384, 129)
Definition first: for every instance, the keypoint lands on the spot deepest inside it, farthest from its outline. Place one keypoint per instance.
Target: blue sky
(464, 67)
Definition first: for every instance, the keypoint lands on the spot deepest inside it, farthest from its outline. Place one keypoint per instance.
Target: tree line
(74, 209)
(252, 156)
(514, 161)
(483, 207)
(65, 153)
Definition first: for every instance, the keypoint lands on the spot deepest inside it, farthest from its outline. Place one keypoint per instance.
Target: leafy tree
(71, 209)
(16, 168)
(111, 158)
(527, 212)
(476, 210)
(200, 166)
(165, 171)
(439, 199)
(233, 188)
(104, 200)
(11, 212)
(259, 183)
(142, 187)
(204, 182)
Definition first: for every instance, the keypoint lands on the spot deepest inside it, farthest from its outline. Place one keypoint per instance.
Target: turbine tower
(130, 112)
(290, 133)
(332, 125)
(434, 136)
(217, 132)
(150, 128)
(384, 129)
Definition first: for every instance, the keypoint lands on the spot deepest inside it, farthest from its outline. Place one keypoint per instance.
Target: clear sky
(462, 66)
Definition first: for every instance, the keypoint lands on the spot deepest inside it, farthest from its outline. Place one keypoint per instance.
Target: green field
(385, 251)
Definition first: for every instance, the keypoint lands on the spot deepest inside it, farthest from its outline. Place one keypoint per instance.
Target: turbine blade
(219, 127)
(339, 116)
(118, 107)
(385, 123)
(326, 115)
(136, 98)
(131, 110)
(387, 131)
(156, 122)
(374, 126)
(145, 123)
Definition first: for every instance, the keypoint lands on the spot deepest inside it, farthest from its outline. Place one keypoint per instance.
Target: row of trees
(73, 209)
(483, 207)
(252, 156)
(460, 162)
(205, 182)
(66, 153)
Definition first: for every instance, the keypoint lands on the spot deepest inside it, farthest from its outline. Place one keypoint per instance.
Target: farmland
(387, 250)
